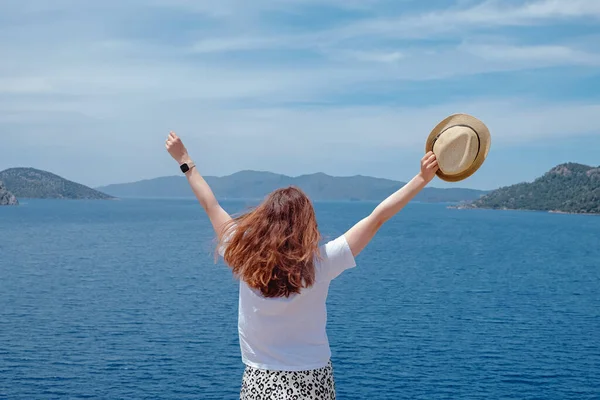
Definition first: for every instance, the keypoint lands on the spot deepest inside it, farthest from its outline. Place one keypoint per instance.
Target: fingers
(428, 158)
(429, 163)
(171, 138)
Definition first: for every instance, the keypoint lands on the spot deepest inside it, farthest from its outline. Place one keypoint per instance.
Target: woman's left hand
(429, 167)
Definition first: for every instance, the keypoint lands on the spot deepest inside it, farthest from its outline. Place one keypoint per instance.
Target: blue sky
(89, 90)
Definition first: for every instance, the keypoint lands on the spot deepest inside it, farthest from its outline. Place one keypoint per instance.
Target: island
(36, 184)
(6, 197)
(567, 188)
(257, 184)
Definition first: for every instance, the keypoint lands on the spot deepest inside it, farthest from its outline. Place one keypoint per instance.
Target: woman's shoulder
(335, 257)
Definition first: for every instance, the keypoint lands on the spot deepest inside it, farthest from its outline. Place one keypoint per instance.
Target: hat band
(464, 126)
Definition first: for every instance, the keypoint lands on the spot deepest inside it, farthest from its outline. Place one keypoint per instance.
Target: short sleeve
(336, 257)
(223, 245)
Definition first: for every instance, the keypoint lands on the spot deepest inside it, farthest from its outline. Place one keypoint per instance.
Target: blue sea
(123, 300)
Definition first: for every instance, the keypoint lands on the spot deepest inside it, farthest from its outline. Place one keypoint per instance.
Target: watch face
(185, 168)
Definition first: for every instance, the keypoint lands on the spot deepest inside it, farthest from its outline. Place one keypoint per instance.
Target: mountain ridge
(248, 184)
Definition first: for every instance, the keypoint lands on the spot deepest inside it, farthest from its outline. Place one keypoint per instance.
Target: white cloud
(544, 55)
(458, 22)
(123, 83)
(559, 9)
(221, 45)
(229, 8)
(511, 121)
(24, 85)
(362, 41)
(374, 56)
(485, 14)
(498, 13)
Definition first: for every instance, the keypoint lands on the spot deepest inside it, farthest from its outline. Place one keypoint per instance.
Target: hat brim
(485, 141)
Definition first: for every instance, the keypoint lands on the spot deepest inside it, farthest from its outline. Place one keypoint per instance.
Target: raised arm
(361, 234)
(217, 215)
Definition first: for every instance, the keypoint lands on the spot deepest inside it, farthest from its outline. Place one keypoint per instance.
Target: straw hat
(461, 143)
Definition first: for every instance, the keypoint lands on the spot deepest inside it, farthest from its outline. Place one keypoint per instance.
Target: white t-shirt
(289, 334)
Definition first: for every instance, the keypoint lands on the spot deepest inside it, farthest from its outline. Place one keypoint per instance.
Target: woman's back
(289, 333)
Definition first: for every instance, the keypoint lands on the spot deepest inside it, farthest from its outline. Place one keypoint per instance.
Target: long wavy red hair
(274, 246)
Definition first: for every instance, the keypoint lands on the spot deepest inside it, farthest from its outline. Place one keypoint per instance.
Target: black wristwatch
(185, 167)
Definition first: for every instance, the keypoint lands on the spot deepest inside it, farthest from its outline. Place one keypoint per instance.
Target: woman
(284, 279)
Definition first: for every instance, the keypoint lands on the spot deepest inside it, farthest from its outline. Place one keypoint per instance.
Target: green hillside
(569, 188)
(35, 184)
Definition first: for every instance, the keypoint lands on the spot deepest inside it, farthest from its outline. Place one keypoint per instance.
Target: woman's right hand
(429, 167)
(176, 148)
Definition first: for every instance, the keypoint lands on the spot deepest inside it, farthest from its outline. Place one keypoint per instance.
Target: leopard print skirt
(260, 384)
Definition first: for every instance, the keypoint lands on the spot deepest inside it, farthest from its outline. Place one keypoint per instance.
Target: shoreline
(459, 207)
(571, 213)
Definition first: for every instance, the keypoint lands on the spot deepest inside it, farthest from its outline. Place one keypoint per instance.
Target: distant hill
(569, 188)
(6, 197)
(35, 184)
(254, 185)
